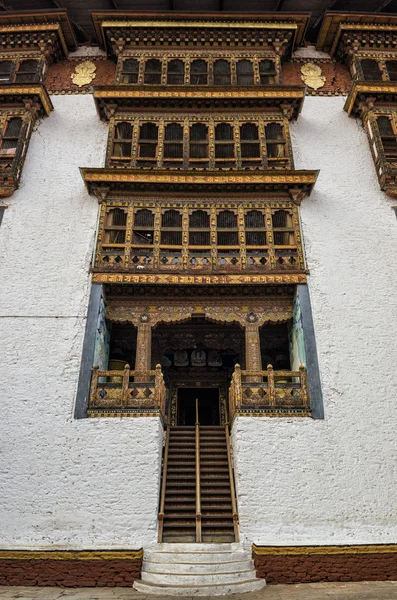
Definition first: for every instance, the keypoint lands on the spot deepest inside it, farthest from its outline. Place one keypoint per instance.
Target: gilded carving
(84, 73)
(312, 76)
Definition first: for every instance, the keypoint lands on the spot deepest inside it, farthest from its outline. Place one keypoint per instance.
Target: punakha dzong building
(198, 241)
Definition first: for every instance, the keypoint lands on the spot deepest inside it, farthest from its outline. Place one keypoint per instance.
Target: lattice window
(249, 140)
(371, 69)
(227, 221)
(115, 226)
(130, 71)
(199, 72)
(28, 71)
(275, 143)
(391, 66)
(153, 72)
(176, 72)
(198, 142)
(173, 142)
(9, 140)
(6, 71)
(267, 72)
(148, 141)
(388, 134)
(171, 228)
(224, 142)
(222, 74)
(199, 228)
(283, 231)
(245, 72)
(143, 230)
(255, 234)
(122, 141)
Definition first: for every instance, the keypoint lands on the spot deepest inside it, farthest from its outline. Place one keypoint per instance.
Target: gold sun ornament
(84, 73)
(312, 76)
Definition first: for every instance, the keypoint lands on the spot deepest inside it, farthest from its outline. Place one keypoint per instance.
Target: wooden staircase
(197, 500)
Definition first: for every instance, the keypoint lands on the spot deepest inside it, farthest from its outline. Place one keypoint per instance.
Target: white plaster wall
(63, 483)
(333, 482)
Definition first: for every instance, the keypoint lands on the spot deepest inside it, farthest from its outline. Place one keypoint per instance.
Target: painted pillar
(143, 359)
(253, 359)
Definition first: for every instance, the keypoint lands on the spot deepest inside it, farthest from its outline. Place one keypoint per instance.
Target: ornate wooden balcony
(127, 393)
(259, 393)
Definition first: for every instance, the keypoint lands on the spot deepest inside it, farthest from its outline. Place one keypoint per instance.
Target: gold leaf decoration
(312, 76)
(84, 73)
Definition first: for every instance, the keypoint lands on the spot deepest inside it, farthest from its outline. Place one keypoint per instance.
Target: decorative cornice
(18, 94)
(101, 555)
(384, 91)
(304, 550)
(173, 279)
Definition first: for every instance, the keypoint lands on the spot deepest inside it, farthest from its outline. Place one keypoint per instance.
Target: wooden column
(143, 358)
(253, 359)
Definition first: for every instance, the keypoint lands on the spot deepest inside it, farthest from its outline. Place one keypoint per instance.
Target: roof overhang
(110, 99)
(26, 95)
(121, 182)
(107, 21)
(335, 24)
(383, 92)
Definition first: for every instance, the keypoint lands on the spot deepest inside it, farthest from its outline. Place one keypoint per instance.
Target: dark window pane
(254, 219)
(199, 218)
(153, 72)
(171, 218)
(224, 132)
(227, 238)
(6, 69)
(176, 72)
(222, 72)
(227, 219)
(199, 72)
(199, 238)
(391, 66)
(371, 70)
(245, 72)
(148, 131)
(255, 238)
(144, 218)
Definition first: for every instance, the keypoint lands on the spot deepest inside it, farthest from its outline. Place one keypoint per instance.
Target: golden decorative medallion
(312, 76)
(84, 73)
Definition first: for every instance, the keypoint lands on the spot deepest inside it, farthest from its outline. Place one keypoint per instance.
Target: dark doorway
(208, 401)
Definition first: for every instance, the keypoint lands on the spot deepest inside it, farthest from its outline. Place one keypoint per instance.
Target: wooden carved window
(173, 142)
(130, 70)
(198, 142)
(222, 75)
(143, 231)
(224, 142)
(283, 231)
(227, 228)
(148, 140)
(176, 72)
(388, 136)
(275, 143)
(267, 72)
(255, 234)
(6, 71)
(9, 141)
(199, 72)
(249, 140)
(122, 141)
(245, 72)
(371, 69)
(171, 228)
(199, 228)
(153, 71)
(28, 71)
(391, 66)
(115, 227)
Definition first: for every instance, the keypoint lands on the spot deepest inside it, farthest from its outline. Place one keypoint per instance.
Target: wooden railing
(232, 484)
(271, 390)
(198, 475)
(128, 389)
(164, 484)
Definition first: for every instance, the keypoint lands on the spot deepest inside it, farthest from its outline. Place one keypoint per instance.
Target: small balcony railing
(257, 392)
(127, 391)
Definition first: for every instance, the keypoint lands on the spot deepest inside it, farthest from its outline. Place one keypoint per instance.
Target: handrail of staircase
(198, 487)
(163, 485)
(232, 485)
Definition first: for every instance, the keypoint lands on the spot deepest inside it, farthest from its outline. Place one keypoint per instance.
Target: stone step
(250, 585)
(195, 557)
(192, 579)
(198, 568)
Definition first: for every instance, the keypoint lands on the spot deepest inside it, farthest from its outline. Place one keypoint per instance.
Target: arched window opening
(199, 72)
(249, 140)
(122, 140)
(227, 220)
(176, 72)
(27, 71)
(173, 141)
(143, 227)
(153, 71)
(198, 142)
(6, 71)
(267, 72)
(224, 142)
(391, 66)
(283, 232)
(148, 139)
(130, 71)
(371, 70)
(116, 221)
(388, 136)
(222, 74)
(245, 72)
(10, 137)
(199, 228)
(275, 142)
(171, 228)
(255, 234)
